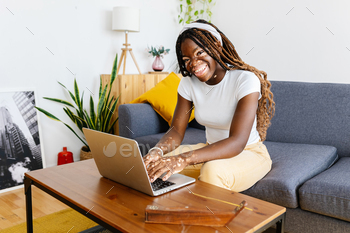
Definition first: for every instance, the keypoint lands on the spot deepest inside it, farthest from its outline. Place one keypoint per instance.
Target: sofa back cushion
(137, 120)
(311, 113)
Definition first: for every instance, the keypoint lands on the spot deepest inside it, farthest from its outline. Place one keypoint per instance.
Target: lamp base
(123, 56)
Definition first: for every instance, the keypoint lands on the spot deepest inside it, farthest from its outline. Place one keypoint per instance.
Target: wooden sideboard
(130, 86)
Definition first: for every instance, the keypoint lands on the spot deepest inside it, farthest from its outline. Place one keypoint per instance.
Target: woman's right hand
(152, 156)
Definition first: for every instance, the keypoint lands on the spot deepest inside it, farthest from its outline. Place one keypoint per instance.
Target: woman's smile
(199, 63)
(200, 70)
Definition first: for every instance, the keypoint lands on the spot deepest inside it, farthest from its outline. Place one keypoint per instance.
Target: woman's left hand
(170, 165)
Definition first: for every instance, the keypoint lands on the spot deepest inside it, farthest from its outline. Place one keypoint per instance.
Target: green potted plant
(191, 10)
(98, 119)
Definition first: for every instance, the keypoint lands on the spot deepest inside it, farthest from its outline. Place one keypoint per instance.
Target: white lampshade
(126, 19)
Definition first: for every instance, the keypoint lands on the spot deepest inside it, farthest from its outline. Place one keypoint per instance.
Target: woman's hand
(170, 165)
(152, 156)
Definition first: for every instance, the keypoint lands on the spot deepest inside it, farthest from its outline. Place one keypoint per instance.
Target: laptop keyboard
(159, 184)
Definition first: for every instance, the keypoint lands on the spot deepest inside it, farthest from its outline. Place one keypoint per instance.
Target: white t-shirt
(215, 104)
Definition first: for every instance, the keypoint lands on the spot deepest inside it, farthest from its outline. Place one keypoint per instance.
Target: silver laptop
(119, 159)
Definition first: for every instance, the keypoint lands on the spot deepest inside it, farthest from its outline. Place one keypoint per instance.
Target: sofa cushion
(136, 120)
(163, 97)
(192, 136)
(300, 221)
(329, 192)
(292, 165)
(311, 113)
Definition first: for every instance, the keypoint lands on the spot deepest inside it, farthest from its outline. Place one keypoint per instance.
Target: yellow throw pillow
(163, 97)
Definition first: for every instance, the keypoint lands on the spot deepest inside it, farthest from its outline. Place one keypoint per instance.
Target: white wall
(299, 47)
(42, 42)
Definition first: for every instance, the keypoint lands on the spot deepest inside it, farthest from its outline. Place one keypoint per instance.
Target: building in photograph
(25, 102)
(13, 143)
(5, 143)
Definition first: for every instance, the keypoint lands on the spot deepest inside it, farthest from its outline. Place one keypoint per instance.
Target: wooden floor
(13, 210)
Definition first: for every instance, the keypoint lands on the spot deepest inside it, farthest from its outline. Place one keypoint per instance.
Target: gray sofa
(309, 143)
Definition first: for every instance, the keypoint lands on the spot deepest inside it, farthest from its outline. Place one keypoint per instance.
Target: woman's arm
(173, 138)
(241, 125)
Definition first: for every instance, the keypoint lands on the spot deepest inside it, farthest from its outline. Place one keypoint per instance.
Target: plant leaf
(111, 128)
(79, 122)
(70, 93)
(48, 114)
(114, 70)
(100, 88)
(62, 85)
(77, 97)
(70, 114)
(108, 95)
(60, 101)
(82, 99)
(101, 102)
(55, 118)
(73, 118)
(92, 111)
(81, 111)
(110, 113)
(98, 124)
(76, 135)
(89, 121)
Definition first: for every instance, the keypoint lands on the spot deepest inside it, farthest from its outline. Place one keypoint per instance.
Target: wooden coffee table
(119, 208)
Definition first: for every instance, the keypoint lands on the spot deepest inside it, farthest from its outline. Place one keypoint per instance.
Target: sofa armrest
(136, 120)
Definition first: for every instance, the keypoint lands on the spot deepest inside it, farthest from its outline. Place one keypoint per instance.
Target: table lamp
(126, 19)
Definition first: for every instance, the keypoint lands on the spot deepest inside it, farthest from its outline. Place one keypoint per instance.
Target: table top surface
(123, 208)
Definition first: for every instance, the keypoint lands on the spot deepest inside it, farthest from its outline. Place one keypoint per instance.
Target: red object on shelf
(65, 157)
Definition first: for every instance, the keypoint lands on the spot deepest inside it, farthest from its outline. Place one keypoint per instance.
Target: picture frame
(21, 148)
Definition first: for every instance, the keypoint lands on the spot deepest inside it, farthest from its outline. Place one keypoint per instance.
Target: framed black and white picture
(20, 148)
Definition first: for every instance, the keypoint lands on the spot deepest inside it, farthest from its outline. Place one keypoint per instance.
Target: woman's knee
(230, 176)
(212, 172)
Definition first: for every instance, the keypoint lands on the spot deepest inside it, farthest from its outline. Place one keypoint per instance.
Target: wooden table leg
(29, 209)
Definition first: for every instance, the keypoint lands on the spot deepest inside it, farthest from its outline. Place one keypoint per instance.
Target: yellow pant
(237, 173)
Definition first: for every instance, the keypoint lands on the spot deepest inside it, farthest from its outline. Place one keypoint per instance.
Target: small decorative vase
(64, 157)
(158, 64)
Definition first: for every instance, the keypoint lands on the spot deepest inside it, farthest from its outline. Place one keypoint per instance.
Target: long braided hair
(228, 55)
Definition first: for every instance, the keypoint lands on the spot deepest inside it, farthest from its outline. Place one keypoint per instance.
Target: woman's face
(198, 62)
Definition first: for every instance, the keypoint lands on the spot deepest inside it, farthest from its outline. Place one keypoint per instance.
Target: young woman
(231, 99)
